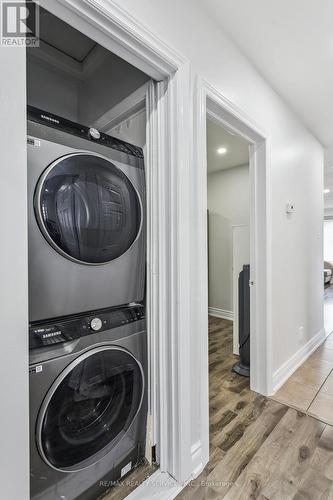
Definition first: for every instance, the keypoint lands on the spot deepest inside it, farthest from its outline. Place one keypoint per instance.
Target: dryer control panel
(69, 328)
(90, 134)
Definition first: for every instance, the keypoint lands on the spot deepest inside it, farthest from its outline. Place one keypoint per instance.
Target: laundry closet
(88, 373)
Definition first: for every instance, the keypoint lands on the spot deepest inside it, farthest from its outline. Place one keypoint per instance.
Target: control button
(94, 133)
(96, 324)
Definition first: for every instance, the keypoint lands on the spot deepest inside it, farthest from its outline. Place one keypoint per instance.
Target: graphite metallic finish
(57, 122)
(86, 216)
(43, 334)
(87, 208)
(88, 406)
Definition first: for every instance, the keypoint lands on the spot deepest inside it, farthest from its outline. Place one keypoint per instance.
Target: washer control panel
(73, 327)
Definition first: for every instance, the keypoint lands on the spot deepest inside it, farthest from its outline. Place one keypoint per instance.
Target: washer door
(87, 208)
(89, 408)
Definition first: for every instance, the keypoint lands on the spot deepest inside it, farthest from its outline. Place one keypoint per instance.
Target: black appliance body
(243, 366)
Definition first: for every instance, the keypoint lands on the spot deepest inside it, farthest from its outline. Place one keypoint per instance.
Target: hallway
(248, 435)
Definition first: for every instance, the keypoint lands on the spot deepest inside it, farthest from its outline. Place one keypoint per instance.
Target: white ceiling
(290, 42)
(237, 149)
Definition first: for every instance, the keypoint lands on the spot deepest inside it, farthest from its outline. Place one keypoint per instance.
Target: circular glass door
(87, 208)
(89, 408)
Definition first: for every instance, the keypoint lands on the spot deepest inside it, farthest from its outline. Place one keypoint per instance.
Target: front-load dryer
(86, 209)
(88, 402)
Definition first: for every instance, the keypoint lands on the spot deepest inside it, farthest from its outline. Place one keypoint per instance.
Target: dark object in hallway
(243, 366)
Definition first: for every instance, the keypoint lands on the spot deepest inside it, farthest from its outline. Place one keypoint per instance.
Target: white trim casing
(290, 366)
(158, 486)
(221, 313)
(152, 300)
(116, 30)
(227, 115)
(168, 271)
(224, 113)
(178, 323)
(199, 286)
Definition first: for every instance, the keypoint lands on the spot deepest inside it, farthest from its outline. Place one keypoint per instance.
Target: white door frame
(168, 200)
(224, 113)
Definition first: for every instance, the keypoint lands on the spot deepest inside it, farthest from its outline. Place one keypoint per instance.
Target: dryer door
(87, 208)
(89, 408)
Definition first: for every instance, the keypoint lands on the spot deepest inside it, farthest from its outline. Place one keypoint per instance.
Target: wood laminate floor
(259, 448)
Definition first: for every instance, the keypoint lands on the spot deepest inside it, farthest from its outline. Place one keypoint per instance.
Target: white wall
(14, 414)
(82, 100)
(114, 80)
(52, 91)
(132, 130)
(295, 174)
(228, 205)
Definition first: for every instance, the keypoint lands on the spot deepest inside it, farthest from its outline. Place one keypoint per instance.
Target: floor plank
(278, 466)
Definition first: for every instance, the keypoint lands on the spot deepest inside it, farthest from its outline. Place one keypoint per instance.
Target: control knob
(96, 324)
(94, 133)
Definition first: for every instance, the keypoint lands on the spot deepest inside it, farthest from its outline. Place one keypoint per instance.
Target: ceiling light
(222, 151)
(327, 191)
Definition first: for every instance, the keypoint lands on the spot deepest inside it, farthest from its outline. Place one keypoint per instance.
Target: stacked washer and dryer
(88, 401)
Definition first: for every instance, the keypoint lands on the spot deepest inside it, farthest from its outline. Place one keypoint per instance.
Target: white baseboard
(159, 486)
(290, 366)
(197, 459)
(221, 313)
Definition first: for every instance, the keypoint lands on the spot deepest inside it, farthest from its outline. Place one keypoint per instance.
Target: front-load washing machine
(86, 206)
(88, 402)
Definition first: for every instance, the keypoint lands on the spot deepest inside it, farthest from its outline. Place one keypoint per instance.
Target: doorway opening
(228, 221)
(228, 201)
(253, 240)
(215, 108)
